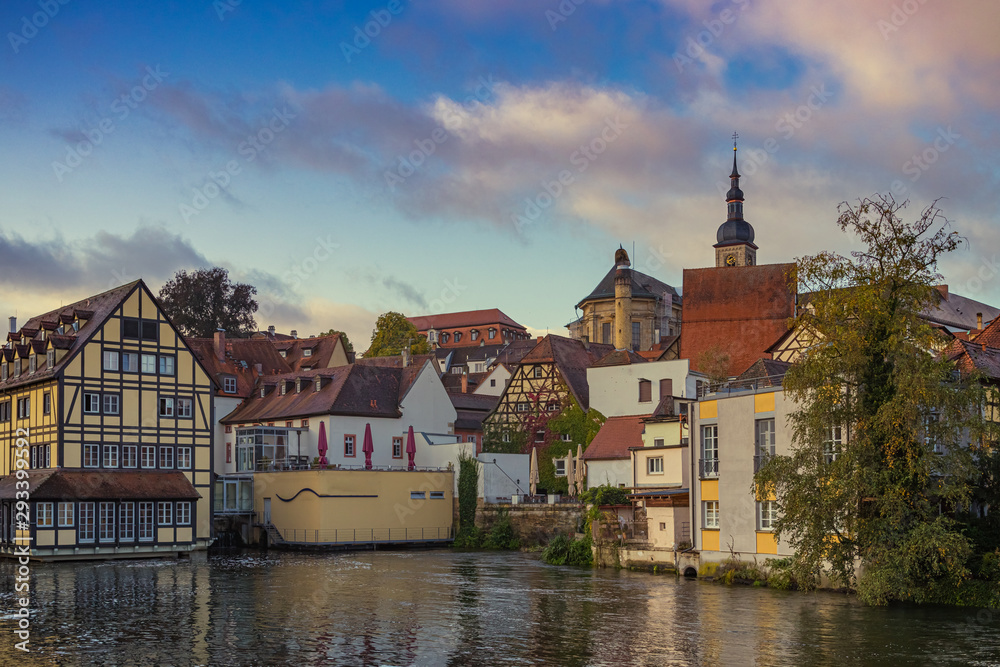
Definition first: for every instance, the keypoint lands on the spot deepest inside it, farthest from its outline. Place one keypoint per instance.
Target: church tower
(735, 245)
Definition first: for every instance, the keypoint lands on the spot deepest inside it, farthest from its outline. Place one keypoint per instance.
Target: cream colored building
(662, 479)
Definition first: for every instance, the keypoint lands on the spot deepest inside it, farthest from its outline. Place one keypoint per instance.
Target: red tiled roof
(969, 356)
(250, 351)
(741, 310)
(615, 437)
(621, 358)
(103, 485)
(468, 318)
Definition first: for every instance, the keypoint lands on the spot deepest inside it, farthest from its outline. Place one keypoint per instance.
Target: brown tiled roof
(468, 318)
(955, 310)
(396, 361)
(969, 356)
(249, 351)
(620, 358)
(990, 336)
(515, 350)
(572, 359)
(98, 307)
(356, 389)
(322, 348)
(742, 310)
(103, 485)
(482, 402)
(762, 373)
(615, 437)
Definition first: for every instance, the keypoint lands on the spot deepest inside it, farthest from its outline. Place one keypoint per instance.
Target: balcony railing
(708, 468)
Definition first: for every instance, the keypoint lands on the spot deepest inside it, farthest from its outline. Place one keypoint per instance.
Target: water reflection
(443, 608)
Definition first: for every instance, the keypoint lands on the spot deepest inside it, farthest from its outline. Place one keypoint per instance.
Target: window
(149, 330)
(146, 522)
(470, 438)
(91, 456)
(710, 451)
(655, 465)
(149, 363)
(130, 327)
(34, 457)
(437, 495)
(645, 391)
(539, 436)
(493, 333)
(165, 514)
(129, 456)
(348, 445)
(184, 513)
(91, 403)
(166, 407)
(32, 363)
(666, 388)
(505, 436)
(474, 334)
(560, 467)
(417, 495)
(930, 433)
(493, 383)
(767, 514)
(110, 456)
(636, 336)
(130, 362)
(229, 384)
(107, 522)
(111, 404)
(710, 514)
(457, 370)
(657, 442)
(764, 439)
(43, 515)
(110, 360)
(606, 332)
(831, 445)
(126, 522)
(3, 371)
(46, 403)
(536, 372)
(552, 407)
(5, 411)
(48, 456)
(166, 458)
(184, 407)
(86, 529)
(663, 525)
(23, 408)
(523, 406)
(305, 423)
(307, 352)
(148, 456)
(184, 458)
(444, 338)
(166, 365)
(17, 367)
(66, 515)
(566, 437)
(397, 448)
(458, 336)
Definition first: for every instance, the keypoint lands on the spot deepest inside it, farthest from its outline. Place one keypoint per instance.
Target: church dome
(735, 231)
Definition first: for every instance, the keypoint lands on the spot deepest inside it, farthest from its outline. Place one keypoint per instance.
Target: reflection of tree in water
(562, 621)
(469, 615)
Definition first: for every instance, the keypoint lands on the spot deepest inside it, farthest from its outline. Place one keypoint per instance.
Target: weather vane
(735, 137)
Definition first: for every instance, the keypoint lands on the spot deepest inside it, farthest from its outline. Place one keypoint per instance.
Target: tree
(714, 362)
(581, 426)
(392, 333)
(874, 498)
(201, 302)
(348, 347)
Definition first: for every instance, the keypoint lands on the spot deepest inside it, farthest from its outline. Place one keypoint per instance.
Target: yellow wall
(359, 500)
(766, 544)
(763, 402)
(709, 489)
(708, 409)
(709, 540)
(42, 428)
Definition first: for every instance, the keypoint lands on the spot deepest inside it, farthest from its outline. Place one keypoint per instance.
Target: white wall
(501, 375)
(427, 405)
(494, 483)
(223, 406)
(616, 472)
(614, 390)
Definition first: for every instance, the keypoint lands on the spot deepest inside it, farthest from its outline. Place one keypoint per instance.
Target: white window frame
(184, 513)
(106, 522)
(184, 458)
(307, 352)
(130, 456)
(67, 516)
(91, 455)
(167, 364)
(112, 404)
(130, 362)
(86, 529)
(560, 465)
(710, 514)
(126, 522)
(164, 514)
(229, 384)
(147, 525)
(110, 362)
(654, 465)
(166, 407)
(91, 403)
(147, 364)
(185, 408)
(166, 458)
(110, 456)
(44, 515)
(767, 514)
(148, 455)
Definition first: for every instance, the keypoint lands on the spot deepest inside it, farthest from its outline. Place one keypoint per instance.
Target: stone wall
(535, 524)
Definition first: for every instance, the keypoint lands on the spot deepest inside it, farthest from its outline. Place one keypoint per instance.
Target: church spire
(735, 237)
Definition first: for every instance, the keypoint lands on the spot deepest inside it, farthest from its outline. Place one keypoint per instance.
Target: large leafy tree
(392, 333)
(348, 347)
(205, 300)
(882, 498)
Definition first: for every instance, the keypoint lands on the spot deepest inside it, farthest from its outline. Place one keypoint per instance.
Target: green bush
(606, 494)
(502, 536)
(566, 551)
(469, 537)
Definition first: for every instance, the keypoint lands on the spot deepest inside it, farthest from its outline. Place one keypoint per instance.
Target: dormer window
(3, 371)
(284, 387)
(458, 336)
(17, 367)
(263, 392)
(298, 385)
(32, 363)
(229, 384)
(432, 336)
(319, 384)
(493, 333)
(307, 352)
(283, 353)
(444, 338)
(474, 334)
(50, 358)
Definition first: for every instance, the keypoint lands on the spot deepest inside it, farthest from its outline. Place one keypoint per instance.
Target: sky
(350, 158)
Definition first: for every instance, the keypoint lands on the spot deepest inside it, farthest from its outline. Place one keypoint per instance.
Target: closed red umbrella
(411, 449)
(368, 447)
(323, 447)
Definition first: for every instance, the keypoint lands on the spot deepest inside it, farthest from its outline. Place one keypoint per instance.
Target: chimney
(943, 289)
(295, 333)
(220, 344)
(259, 368)
(538, 339)
(13, 324)
(270, 330)
(979, 321)
(406, 357)
(465, 383)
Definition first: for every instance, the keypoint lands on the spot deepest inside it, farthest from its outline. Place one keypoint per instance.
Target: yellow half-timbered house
(105, 433)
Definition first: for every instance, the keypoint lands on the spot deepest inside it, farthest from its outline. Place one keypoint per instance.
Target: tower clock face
(730, 260)
(749, 260)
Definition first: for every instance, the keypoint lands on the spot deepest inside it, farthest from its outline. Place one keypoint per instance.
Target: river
(445, 608)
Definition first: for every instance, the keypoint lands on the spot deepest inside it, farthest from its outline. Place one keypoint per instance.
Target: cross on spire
(735, 137)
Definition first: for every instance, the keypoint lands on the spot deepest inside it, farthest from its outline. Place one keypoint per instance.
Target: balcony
(708, 468)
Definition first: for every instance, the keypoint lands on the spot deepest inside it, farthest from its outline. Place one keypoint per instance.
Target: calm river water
(443, 608)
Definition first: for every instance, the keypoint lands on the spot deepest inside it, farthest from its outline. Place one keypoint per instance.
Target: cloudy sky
(349, 158)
